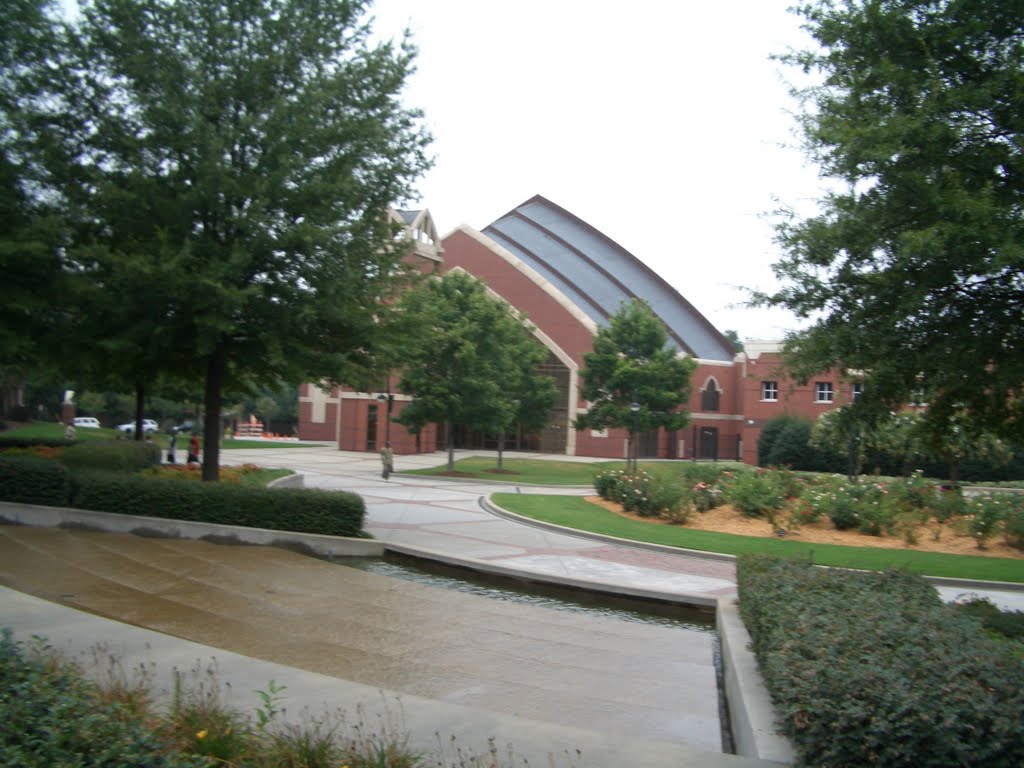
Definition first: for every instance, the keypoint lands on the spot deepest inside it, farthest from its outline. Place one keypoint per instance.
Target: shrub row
(8, 441)
(786, 441)
(873, 669)
(33, 480)
(112, 455)
(41, 481)
(51, 718)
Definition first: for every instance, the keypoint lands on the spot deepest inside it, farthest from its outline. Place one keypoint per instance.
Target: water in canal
(645, 669)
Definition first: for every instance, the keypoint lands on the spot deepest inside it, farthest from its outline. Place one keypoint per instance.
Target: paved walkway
(447, 516)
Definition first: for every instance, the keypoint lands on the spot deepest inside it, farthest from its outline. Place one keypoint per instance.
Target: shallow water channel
(643, 668)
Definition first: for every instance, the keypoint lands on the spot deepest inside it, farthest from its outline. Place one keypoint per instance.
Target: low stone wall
(751, 714)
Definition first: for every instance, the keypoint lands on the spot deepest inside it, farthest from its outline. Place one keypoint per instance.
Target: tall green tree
(473, 365)
(913, 270)
(632, 363)
(31, 230)
(532, 394)
(237, 160)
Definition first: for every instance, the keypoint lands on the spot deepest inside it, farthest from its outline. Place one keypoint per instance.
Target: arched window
(709, 398)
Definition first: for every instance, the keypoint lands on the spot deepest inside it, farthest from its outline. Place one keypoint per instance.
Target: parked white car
(148, 426)
(86, 421)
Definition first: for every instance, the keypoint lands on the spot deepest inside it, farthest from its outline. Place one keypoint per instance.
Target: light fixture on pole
(635, 408)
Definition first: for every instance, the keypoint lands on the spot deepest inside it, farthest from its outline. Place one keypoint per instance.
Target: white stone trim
(528, 271)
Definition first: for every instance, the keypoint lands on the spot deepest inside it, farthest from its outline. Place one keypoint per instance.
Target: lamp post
(390, 400)
(635, 408)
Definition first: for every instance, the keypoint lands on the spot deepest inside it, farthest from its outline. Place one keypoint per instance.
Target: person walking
(171, 445)
(193, 449)
(387, 459)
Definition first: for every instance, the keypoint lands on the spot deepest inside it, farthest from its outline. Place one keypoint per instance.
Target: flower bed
(892, 513)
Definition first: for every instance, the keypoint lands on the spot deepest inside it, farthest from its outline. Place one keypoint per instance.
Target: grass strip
(575, 512)
(547, 472)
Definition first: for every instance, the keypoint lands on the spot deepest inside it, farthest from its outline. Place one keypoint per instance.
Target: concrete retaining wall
(751, 713)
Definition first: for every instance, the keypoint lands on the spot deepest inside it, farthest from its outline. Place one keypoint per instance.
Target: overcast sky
(662, 123)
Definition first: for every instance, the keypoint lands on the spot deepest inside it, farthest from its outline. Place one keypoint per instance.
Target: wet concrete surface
(644, 681)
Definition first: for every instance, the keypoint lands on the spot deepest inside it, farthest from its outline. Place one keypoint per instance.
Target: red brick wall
(462, 250)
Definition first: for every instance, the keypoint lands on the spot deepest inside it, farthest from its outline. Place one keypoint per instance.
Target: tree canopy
(632, 362)
(473, 364)
(912, 271)
(223, 172)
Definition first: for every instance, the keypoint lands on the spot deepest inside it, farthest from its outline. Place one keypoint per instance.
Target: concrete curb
(484, 566)
(944, 581)
(489, 506)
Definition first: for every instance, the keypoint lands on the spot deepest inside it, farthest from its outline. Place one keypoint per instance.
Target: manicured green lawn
(574, 512)
(544, 472)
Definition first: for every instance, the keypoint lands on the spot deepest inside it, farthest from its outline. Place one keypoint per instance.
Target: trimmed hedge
(9, 441)
(112, 455)
(34, 480)
(288, 509)
(873, 669)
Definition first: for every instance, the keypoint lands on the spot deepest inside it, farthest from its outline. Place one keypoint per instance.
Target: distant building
(568, 279)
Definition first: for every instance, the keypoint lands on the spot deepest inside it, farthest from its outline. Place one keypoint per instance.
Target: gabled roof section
(598, 274)
(418, 227)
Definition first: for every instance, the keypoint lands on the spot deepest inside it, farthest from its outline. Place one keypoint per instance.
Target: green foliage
(759, 494)
(948, 503)
(289, 509)
(112, 455)
(225, 174)
(52, 717)
(632, 362)
(989, 512)
(913, 266)
(1005, 624)
(1013, 526)
(474, 364)
(32, 480)
(872, 669)
(644, 494)
(769, 435)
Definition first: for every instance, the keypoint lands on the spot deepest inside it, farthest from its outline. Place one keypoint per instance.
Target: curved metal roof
(598, 275)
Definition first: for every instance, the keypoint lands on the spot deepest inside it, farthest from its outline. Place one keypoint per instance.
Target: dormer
(419, 229)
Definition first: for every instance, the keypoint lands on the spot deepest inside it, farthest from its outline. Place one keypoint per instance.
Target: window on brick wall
(823, 392)
(770, 390)
(709, 397)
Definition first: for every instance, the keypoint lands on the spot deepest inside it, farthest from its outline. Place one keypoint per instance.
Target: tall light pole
(388, 398)
(635, 408)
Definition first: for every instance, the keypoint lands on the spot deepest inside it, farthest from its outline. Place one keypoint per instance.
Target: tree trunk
(501, 451)
(451, 446)
(215, 371)
(140, 406)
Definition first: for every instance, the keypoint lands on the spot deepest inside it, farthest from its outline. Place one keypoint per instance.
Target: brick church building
(568, 279)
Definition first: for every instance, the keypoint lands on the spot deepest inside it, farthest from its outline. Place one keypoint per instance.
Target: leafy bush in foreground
(872, 669)
(50, 718)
